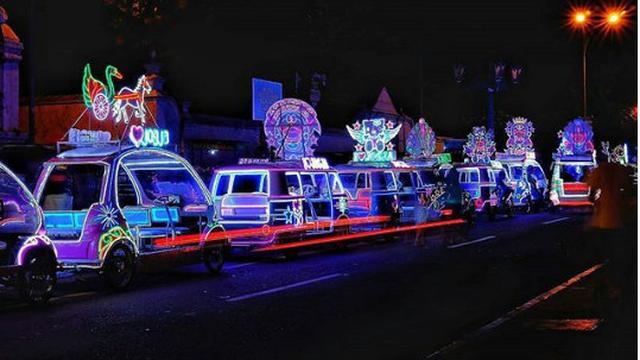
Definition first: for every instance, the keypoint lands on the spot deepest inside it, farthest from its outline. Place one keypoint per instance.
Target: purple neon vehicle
(116, 210)
(27, 256)
(281, 198)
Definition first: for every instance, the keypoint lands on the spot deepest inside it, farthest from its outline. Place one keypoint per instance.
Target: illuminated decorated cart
(573, 161)
(27, 256)
(118, 205)
(479, 174)
(376, 182)
(519, 159)
(438, 183)
(264, 203)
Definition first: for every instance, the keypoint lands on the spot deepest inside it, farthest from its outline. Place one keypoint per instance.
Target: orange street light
(614, 20)
(579, 18)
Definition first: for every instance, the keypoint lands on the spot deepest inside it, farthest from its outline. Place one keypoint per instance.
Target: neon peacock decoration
(96, 95)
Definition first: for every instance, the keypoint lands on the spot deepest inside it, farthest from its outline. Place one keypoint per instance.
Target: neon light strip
(575, 203)
(349, 237)
(267, 231)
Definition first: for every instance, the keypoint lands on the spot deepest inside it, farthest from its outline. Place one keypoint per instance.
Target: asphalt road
(403, 299)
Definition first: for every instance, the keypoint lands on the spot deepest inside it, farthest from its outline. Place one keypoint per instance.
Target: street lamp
(608, 20)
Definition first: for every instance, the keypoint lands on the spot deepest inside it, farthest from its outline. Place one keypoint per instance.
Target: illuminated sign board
(145, 137)
(79, 136)
(315, 163)
(373, 137)
(265, 94)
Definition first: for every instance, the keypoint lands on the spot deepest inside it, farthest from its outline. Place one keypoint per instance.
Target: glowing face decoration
(421, 141)
(480, 145)
(519, 131)
(576, 138)
(373, 137)
(292, 129)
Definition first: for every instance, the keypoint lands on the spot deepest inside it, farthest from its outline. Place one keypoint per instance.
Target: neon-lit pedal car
(284, 200)
(115, 210)
(527, 178)
(568, 174)
(27, 256)
(479, 181)
(385, 188)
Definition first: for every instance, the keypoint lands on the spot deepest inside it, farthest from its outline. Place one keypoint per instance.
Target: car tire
(213, 259)
(37, 278)
(119, 268)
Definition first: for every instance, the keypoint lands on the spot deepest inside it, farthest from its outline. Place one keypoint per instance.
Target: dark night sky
(211, 49)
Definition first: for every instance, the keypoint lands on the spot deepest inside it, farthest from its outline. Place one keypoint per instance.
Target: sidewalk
(594, 318)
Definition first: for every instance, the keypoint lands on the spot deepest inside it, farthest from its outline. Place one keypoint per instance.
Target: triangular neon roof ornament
(384, 104)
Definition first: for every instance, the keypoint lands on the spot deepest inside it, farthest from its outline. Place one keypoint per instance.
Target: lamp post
(495, 85)
(587, 21)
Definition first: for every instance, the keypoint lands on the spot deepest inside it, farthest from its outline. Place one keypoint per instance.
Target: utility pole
(30, 71)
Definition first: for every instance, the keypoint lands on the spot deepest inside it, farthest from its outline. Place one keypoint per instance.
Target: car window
(221, 184)
(172, 181)
(73, 187)
(349, 182)
(485, 176)
(404, 179)
(336, 184)
(249, 183)
(382, 180)
(18, 210)
(472, 176)
(126, 190)
(516, 172)
(294, 187)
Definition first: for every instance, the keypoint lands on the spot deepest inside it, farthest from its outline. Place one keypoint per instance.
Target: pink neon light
(266, 231)
(575, 203)
(349, 237)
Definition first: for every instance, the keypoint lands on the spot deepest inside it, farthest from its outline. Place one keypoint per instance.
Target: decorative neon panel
(97, 96)
(143, 137)
(480, 145)
(619, 154)
(373, 137)
(421, 141)
(265, 93)
(292, 129)
(519, 131)
(576, 138)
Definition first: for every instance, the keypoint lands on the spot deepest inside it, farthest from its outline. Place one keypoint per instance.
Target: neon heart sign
(144, 137)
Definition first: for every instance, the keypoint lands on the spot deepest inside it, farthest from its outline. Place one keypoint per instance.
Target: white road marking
(237, 266)
(556, 220)
(285, 287)
(471, 242)
(515, 312)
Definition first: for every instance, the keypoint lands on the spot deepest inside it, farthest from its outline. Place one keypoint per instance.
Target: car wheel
(37, 278)
(119, 268)
(213, 259)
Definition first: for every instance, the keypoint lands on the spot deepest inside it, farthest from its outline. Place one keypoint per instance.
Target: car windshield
(18, 211)
(574, 173)
(72, 187)
(349, 182)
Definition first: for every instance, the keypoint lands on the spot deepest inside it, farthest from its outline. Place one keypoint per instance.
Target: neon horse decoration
(95, 95)
(519, 131)
(132, 98)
